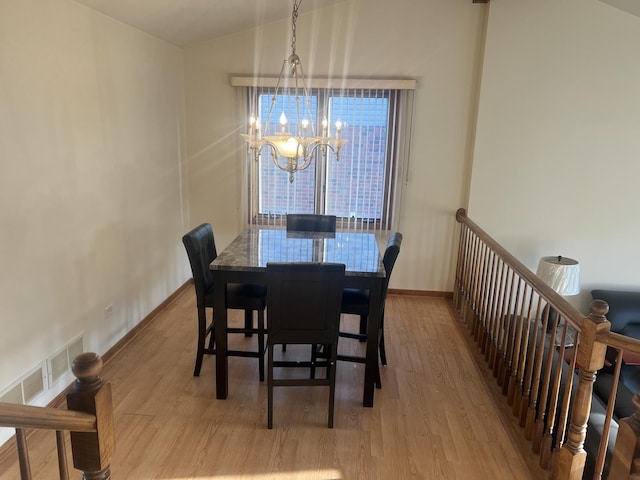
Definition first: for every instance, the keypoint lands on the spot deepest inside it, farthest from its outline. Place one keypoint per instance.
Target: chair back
(201, 250)
(303, 222)
(303, 302)
(390, 257)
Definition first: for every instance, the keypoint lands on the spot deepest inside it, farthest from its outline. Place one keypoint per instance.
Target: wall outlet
(108, 311)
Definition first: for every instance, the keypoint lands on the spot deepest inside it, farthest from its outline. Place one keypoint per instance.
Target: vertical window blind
(363, 188)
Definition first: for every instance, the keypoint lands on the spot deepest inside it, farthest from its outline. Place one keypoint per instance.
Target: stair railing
(544, 355)
(89, 419)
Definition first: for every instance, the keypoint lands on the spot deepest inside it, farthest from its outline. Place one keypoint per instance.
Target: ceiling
(631, 6)
(185, 21)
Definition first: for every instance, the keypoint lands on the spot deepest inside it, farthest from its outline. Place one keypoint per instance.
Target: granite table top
(254, 248)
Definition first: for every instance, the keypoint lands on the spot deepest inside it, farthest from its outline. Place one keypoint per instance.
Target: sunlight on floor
(330, 474)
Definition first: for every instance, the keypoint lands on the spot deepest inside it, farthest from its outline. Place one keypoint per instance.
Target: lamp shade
(560, 273)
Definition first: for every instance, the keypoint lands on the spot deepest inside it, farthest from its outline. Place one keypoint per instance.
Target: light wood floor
(435, 417)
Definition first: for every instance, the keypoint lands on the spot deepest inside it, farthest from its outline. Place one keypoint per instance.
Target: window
(361, 187)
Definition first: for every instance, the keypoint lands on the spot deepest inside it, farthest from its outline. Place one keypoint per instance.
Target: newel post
(591, 354)
(92, 451)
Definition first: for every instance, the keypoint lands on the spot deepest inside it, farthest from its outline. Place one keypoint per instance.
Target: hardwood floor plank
(434, 418)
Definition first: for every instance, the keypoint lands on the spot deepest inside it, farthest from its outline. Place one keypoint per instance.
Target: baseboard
(135, 331)
(60, 400)
(8, 448)
(420, 293)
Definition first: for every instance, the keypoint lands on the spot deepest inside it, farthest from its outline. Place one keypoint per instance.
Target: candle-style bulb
(252, 127)
(338, 128)
(283, 119)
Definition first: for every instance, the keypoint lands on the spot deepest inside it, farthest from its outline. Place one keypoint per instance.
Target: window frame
(403, 90)
(319, 166)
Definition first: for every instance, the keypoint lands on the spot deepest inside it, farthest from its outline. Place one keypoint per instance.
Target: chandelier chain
(294, 18)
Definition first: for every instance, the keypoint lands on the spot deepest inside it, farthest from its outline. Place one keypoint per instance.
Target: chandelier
(294, 150)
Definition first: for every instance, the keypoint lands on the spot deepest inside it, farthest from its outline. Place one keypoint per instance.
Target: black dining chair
(303, 222)
(201, 250)
(303, 307)
(356, 302)
(308, 222)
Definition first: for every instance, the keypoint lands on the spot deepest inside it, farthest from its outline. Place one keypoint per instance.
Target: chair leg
(314, 357)
(383, 353)
(363, 327)
(323, 350)
(248, 322)
(261, 343)
(202, 332)
(270, 386)
(331, 370)
(212, 337)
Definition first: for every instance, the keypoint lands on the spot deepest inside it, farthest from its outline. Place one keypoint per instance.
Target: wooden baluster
(542, 419)
(505, 322)
(591, 354)
(626, 454)
(62, 456)
(498, 322)
(532, 341)
(92, 451)
(23, 454)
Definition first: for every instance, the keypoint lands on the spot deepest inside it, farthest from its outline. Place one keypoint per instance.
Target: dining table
(245, 261)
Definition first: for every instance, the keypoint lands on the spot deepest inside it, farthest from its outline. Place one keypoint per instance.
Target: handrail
(545, 354)
(619, 342)
(89, 421)
(26, 416)
(567, 310)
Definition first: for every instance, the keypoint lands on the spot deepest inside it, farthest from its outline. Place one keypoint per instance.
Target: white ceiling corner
(630, 6)
(182, 22)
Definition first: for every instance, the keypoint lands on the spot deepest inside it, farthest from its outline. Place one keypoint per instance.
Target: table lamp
(563, 275)
(560, 273)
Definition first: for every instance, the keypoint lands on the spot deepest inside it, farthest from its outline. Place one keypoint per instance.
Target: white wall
(557, 157)
(434, 41)
(91, 127)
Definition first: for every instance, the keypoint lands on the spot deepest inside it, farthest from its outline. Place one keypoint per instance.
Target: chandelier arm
(275, 157)
(276, 162)
(305, 92)
(323, 146)
(289, 167)
(256, 152)
(275, 96)
(314, 148)
(307, 161)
